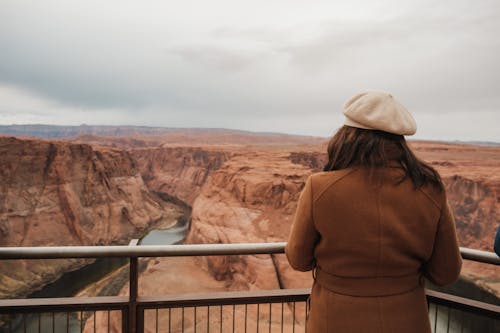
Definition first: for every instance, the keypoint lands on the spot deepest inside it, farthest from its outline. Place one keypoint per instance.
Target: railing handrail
(126, 251)
(480, 256)
(58, 252)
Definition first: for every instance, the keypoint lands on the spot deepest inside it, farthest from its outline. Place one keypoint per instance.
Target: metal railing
(271, 311)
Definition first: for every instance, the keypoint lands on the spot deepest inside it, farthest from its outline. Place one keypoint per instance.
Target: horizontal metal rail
(63, 304)
(68, 304)
(480, 256)
(225, 298)
(185, 301)
(58, 252)
(463, 304)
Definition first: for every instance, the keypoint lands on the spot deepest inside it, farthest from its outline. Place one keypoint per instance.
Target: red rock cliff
(179, 171)
(55, 193)
(251, 197)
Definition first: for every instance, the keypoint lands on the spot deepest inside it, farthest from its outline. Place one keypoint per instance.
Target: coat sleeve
(303, 236)
(445, 263)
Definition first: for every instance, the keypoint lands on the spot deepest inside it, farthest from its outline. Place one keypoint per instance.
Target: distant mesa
(152, 136)
(61, 131)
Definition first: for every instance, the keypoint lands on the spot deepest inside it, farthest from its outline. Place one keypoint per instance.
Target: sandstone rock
(237, 193)
(55, 193)
(181, 171)
(252, 197)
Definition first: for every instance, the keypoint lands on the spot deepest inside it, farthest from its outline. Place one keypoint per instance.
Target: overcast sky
(282, 66)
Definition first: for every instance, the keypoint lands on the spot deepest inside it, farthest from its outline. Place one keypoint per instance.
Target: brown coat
(370, 246)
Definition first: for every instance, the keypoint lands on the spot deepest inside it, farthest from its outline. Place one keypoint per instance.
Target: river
(70, 283)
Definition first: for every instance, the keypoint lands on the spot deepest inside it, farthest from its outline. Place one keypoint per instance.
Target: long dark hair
(357, 147)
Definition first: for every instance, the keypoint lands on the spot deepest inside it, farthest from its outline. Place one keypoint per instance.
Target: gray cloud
(265, 66)
(216, 58)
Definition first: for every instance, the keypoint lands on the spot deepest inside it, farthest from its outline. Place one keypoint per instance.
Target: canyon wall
(472, 178)
(252, 195)
(475, 207)
(249, 194)
(179, 171)
(60, 193)
(252, 198)
(55, 193)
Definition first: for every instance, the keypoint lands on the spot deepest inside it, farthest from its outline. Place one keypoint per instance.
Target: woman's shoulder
(436, 195)
(328, 176)
(324, 179)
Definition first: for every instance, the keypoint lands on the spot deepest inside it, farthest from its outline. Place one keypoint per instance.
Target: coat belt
(368, 286)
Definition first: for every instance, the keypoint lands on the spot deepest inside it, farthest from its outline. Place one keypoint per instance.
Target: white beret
(378, 111)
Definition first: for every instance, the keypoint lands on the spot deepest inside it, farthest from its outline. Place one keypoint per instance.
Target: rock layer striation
(55, 193)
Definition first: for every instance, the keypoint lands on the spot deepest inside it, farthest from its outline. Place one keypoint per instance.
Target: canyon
(58, 193)
(251, 197)
(94, 190)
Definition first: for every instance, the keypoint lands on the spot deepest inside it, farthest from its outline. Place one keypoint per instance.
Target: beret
(378, 110)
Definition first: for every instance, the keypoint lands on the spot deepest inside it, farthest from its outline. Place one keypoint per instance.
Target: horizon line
(245, 131)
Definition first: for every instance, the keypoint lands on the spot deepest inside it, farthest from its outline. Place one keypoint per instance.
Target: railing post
(133, 287)
(125, 319)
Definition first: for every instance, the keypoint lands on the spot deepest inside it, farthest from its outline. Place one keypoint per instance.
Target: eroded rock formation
(84, 195)
(252, 197)
(55, 193)
(179, 171)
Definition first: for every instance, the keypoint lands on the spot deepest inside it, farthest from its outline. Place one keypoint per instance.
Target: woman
(373, 225)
